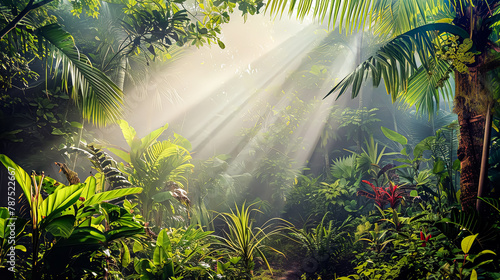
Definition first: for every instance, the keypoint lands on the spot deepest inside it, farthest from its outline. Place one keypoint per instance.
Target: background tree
(428, 44)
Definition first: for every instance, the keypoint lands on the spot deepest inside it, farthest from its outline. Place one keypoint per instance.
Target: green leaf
(62, 226)
(473, 275)
(221, 44)
(161, 197)
(128, 132)
(235, 260)
(163, 240)
(83, 235)
(456, 165)
(137, 247)
(125, 255)
(109, 195)
(394, 136)
(58, 201)
(220, 268)
(123, 231)
(419, 149)
(120, 153)
(20, 247)
(414, 193)
(57, 131)
(438, 167)
(4, 215)
(76, 124)
(147, 140)
(22, 178)
(90, 188)
(99, 98)
(467, 243)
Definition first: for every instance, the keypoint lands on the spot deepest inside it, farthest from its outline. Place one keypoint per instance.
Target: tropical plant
(359, 123)
(63, 216)
(370, 159)
(381, 196)
(98, 97)
(432, 174)
(178, 253)
(160, 168)
(464, 265)
(456, 37)
(323, 243)
(11, 231)
(244, 240)
(108, 176)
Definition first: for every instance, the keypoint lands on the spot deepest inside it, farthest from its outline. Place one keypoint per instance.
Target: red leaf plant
(425, 238)
(382, 196)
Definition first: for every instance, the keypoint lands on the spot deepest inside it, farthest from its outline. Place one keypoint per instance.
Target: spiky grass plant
(244, 240)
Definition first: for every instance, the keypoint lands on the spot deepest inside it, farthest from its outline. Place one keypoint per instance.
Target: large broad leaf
(163, 240)
(58, 201)
(121, 232)
(22, 178)
(62, 226)
(110, 195)
(149, 139)
(162, 196)
(128, 132)
(99, 98)
(160, 254)
(394, 136)
(120, 153)
(4, 215)
(83, 235)
(467, 243)
(90, 187)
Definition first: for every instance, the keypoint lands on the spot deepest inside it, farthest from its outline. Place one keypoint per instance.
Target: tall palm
(427, 40)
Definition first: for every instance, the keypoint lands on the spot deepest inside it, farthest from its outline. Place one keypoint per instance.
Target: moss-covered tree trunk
(469, 91)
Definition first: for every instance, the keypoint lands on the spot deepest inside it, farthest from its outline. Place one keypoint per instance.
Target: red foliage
(382, 196)
(424, 238)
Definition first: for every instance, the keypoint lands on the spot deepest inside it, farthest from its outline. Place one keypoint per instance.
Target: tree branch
(11, 25)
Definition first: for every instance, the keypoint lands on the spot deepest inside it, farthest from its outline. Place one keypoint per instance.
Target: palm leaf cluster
(99, 98)
(396, 62)
(39, 34)
(411, 29)
(354, 14)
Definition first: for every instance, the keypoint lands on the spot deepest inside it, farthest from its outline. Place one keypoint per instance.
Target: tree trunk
(468, 93)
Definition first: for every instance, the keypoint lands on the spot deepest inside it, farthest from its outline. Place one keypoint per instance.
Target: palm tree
(98, 97)
(428, 44)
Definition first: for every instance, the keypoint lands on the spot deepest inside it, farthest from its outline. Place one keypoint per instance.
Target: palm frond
(393, 16)
(168, 161)
(426, 87)
(396, 61)
(98, 97)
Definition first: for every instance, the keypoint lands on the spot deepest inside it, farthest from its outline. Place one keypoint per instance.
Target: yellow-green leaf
(467, 243)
